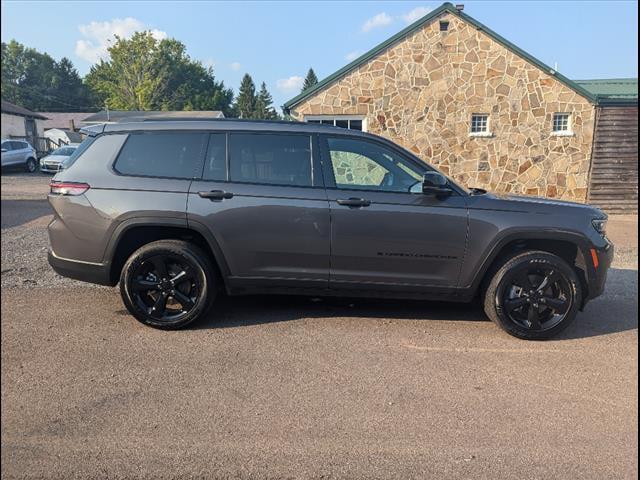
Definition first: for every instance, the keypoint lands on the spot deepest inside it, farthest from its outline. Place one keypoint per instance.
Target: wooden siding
(614, 164)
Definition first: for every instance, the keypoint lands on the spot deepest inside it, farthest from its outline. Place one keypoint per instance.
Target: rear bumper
(84, 271)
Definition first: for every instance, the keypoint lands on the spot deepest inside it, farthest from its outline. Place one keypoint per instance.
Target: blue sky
(277, 42)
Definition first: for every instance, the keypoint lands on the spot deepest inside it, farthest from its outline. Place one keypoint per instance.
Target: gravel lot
(304, 388)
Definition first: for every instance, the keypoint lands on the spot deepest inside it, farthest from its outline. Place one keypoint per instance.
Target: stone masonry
(422, 91)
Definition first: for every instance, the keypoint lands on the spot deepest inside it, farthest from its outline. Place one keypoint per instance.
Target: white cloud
(290, 84)
(351, 56)
(100, 35)
(415, 14)
(235, 66)
(379, 20)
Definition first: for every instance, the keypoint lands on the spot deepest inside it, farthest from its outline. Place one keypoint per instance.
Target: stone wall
(422, 91)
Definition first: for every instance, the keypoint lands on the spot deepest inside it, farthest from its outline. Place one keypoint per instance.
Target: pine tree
(264, 105)
(246, 99)
(311, 80)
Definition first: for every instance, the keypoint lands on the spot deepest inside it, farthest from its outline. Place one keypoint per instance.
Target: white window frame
(362, 118)
(486, 133)
(562, 133)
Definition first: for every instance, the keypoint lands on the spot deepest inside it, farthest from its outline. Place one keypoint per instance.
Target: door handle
(354, 202)
(216, 195)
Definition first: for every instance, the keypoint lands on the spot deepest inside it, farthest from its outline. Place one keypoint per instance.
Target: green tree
(264, 105)
(310, 80)
(144, 73)
(246, 99)
(36, 81)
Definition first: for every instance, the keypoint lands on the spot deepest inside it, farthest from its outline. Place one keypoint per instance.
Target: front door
(266, 208)
(385, 233)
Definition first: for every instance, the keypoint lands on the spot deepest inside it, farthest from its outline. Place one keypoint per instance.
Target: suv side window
(166, 154)
(360, 164)
(277, 159)
(215, 163)
(7, 146)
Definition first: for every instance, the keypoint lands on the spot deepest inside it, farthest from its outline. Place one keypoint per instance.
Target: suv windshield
(64, 151)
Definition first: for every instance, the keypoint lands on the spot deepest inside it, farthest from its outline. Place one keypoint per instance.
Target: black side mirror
(435, 183)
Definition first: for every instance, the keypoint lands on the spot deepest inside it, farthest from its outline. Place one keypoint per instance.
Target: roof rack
(198, 119)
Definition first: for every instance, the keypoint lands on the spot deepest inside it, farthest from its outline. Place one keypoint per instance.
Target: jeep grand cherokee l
(177, 211)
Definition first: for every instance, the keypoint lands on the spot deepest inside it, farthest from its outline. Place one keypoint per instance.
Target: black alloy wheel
(533, 295)
(168, 284)
(536, 297)
(165, 287)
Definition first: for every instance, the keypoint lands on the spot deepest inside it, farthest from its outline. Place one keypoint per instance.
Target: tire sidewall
(28, 163)
(499, 283)
(194, 260)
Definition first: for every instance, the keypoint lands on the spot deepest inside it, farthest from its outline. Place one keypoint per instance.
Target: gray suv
(179, 211)
(19, 153)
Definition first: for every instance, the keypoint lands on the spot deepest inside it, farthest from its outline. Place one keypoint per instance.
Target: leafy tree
(246, 100)
(264, 105)
(36, 81)
(144, 73)
(310, 80)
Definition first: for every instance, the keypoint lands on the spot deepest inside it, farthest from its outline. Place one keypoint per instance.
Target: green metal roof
(612, 90)
(445, 7)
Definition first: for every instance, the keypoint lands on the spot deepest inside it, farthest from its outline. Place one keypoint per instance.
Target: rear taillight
(68, 188)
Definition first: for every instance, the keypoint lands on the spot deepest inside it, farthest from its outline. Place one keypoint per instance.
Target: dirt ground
(294, 387)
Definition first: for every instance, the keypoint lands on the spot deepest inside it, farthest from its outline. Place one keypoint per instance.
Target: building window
(349, 122)
(562, 124)
(480, 125)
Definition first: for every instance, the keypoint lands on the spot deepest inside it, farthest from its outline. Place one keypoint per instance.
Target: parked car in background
(51, 163)
(19, 153)
(177, 211)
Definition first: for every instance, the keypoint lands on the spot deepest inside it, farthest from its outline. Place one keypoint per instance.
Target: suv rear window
(270, 158)
(174, 155)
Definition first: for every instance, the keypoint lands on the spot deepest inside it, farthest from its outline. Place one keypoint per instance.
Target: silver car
(19, 153)
(51, 163)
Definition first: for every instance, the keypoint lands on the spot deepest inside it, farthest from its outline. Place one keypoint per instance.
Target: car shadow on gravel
(614, 312)
(18, 212)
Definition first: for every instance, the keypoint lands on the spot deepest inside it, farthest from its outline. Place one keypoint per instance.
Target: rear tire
(168, 284)
(534, 295)
(31, 165)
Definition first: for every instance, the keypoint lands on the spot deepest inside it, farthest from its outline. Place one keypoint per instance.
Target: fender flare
(180, 222)
(515, 234)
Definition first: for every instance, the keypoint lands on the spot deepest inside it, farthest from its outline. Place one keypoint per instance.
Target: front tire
(168, 284)
(31, 165)
(534, 295)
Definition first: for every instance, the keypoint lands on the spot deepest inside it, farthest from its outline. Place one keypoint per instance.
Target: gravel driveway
(282, 387)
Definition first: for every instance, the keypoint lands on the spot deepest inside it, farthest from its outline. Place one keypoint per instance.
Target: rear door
(385, 233)
(262, 198)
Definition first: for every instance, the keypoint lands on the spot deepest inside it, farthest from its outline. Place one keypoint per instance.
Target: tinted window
(215, 164)
(274, 159)
(174, 155)
(358, 164)
(7, 146)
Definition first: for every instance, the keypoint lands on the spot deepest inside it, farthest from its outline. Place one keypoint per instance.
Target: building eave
(449, 8)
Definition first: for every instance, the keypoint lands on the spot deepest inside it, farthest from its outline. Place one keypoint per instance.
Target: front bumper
(98, 273)
(49, 168)
(598, 274)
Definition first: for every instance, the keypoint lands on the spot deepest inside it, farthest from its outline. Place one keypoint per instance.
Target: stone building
(471, 103)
